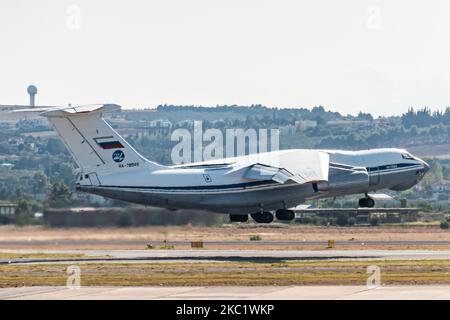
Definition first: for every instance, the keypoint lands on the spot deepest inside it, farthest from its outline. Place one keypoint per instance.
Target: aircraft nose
(426, 167)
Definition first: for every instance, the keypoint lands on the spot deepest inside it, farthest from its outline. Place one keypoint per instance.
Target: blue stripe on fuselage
(391, 167)
(206, 187)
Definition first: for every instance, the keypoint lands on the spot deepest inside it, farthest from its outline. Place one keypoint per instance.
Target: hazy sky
(348, 55)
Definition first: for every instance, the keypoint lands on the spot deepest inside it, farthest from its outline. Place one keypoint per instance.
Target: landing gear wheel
(264, 217)
(238, 217)
(283, 214)
(366, 203)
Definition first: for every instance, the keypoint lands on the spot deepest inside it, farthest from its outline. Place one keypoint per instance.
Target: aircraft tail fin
(93, 143)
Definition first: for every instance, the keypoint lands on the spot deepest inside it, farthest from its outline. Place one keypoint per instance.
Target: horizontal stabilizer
(66, 111)
(81, 110)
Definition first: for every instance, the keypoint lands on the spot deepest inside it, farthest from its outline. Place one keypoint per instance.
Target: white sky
(347, 55)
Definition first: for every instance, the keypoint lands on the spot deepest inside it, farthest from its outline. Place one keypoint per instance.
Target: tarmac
(155, 255)
(228, 292)
(124, 242)
(432, 292)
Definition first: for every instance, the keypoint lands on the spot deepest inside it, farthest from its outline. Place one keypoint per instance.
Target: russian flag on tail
(108, 143)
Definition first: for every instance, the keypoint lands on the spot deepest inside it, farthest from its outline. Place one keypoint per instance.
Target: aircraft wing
(300, 166)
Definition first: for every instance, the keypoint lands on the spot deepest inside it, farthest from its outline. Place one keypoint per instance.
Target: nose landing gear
(366, 202)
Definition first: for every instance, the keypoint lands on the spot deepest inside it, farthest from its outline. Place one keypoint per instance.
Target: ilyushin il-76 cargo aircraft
(258, 185)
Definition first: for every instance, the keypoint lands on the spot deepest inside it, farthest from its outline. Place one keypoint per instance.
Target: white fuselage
(219, 186)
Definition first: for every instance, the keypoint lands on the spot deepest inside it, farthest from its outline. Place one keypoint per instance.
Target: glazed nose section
(426, 166)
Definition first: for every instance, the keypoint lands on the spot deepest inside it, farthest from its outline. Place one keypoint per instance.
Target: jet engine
(345, 178)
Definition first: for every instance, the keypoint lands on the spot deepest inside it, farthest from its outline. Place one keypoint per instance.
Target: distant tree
(319, 110)
(446, 117)
(65, 173)
(422, 117)
(60, 195)
(351, 221)
(373, 140)
(434, 175)
(442, 197)
(446, 172)
(342, 220)
(23, 214)
(374, 221)
(19, 193)
(40, 183)
(403, 203)
(364, 116)
(55, 146)
(413, 131)
(124, 220)
(320, 120)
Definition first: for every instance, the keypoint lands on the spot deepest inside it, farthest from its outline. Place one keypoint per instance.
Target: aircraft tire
(286, 215)
(366, 203)
(265, 217)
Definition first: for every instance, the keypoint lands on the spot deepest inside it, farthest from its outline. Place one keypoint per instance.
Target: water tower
(32, 90)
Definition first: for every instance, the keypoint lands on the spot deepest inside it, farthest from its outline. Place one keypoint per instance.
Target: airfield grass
(279, 273)
(418, 231)
(15, 255)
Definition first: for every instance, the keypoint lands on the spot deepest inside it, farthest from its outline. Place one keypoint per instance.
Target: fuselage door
(94, 179)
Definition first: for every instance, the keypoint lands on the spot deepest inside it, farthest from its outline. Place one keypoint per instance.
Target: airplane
(255, 185)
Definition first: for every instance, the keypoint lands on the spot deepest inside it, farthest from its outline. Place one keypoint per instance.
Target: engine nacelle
(345, 178)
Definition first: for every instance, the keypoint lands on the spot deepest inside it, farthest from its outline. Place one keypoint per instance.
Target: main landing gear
(284, 214)
(366, 202)
(238, 217)
(264, 216)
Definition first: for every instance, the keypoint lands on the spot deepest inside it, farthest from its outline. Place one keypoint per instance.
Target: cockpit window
(407, 156)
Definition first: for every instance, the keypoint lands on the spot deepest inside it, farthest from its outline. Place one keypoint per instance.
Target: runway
(183, 274)
(225, 255)
(142, 243)
(432, 292)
